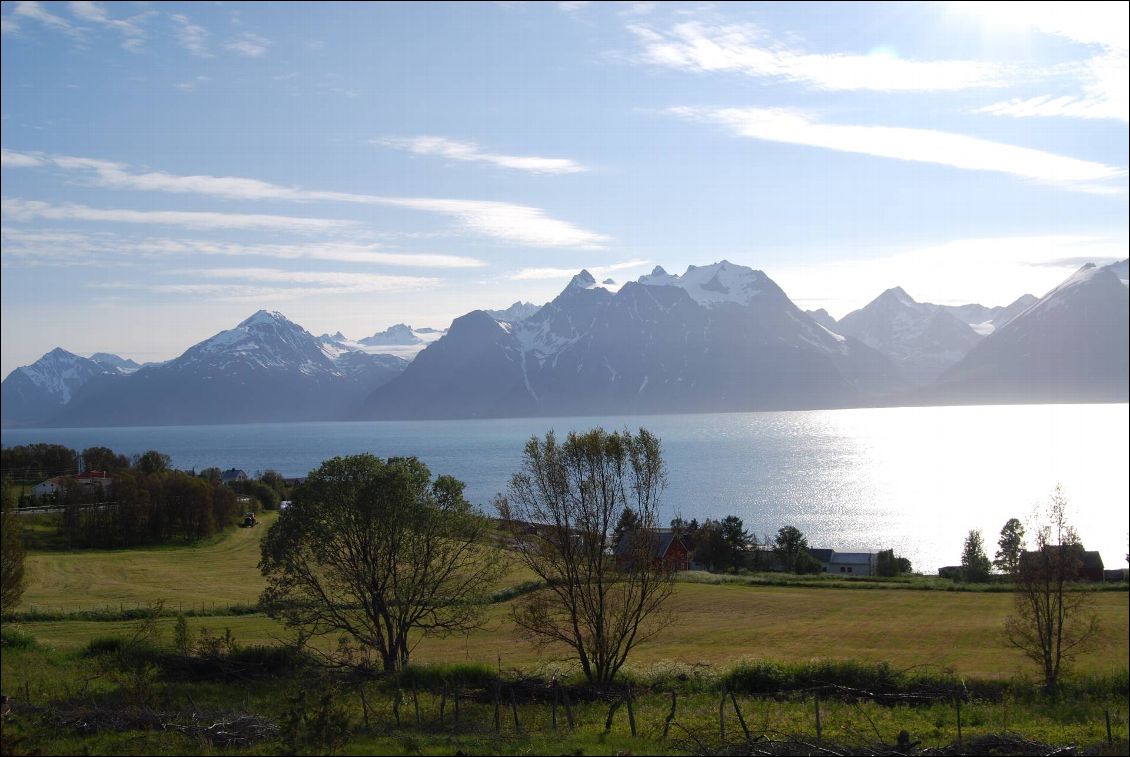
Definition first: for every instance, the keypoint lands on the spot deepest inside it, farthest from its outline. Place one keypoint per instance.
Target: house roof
(823, 555)
(663, 541)
(851, 558)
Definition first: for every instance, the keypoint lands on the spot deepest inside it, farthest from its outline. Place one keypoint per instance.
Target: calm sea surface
(915, 479)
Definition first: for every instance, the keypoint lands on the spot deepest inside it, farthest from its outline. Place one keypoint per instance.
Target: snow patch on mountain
(715, 284)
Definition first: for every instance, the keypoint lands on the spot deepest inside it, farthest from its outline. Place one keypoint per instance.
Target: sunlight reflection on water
(915, 479)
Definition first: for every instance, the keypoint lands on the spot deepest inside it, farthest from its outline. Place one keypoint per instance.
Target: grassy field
(716, 622)
(712, 624)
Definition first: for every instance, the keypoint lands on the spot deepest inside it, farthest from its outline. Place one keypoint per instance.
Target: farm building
(1088, 562)
(233, 474)
(668, 548)
(89, 482)
(845, 563)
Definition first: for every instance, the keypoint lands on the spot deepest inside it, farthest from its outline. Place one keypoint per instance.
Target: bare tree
(1053, 620)
(377, 553)
(562, 510)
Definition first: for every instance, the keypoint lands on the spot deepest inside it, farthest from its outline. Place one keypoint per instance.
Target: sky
(168, 169)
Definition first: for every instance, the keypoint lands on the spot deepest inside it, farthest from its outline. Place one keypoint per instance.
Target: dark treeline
(147, 508)
(143, 500)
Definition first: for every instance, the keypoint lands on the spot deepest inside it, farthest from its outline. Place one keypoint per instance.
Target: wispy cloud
(288, 284)
(747, 49)
(598, 271)
(14, 159)
(192, 84)
(520, 224)
(61, 245)
(16, 209)
(36, 11)
(456, 150)
(131, 29)
(192, 37)
(920, 145)
(1103, 80)
(249, 45)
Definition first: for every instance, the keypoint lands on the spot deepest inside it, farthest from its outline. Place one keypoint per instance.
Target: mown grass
(755, 633)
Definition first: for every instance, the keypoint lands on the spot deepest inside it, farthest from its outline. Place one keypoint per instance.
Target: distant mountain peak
(897, 294)
(658, 271)
(583, 280)
(263, 317)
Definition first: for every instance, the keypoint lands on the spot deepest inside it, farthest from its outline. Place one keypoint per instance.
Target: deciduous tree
(1010, 547)
(1053, 620)
(376, 552)
(562, 509)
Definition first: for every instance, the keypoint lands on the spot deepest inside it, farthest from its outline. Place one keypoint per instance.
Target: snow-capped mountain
(922, 339)
(398, 334)
(265, 369)
(823, 317)
(985, 320)
(1069, 346)
(519, 311)
(400, 341)
(719, 337)
(34, 392)
(114, 362)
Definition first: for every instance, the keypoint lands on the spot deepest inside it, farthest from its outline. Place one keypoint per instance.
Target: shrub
(13, 638)
(468, 674)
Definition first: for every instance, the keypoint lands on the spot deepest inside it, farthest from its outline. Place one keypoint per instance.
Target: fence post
(1109, 737)
(455, 698)
(556, 696)
(631, 711)
(670, 716)
(442, 703)
(722, 714)
(612, 711)
(568, 708)
(514, 711)
(741, 718)
(416, 702)
(819, 726)
(396, 706)
(497, 714)
(959, 721)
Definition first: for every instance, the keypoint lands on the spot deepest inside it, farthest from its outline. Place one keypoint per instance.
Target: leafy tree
(888, 564)
(598, 607)
(736, 540)
(1010, 547)
(975, 565)
(275, 480)
(103, 459)
(213, 474)
(710, 547)
(377, 553)
(1052, 621)
(153, 462)
(629, 523)
(789, 545)
(11, 551)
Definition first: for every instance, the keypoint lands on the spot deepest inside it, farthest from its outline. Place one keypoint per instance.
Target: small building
(1088, 563)
(233, 474)
(88, 483)
(668, 548)
(845, 563)
(50, 486)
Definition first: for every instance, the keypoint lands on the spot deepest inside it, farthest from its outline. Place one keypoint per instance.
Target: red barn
(667, 548)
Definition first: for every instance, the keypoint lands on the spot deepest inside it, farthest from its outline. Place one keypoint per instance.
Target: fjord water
(913, 479)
